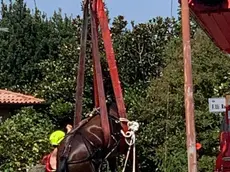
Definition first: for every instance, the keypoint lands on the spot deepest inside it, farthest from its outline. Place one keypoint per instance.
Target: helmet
(56, 137)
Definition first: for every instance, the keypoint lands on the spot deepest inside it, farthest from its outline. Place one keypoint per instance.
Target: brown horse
(83, 148)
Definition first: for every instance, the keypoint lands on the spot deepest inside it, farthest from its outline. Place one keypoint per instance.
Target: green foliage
(23, 47)
(161, 112)
(61, 112)
(139, 52)
(24, 139)
(40, 55)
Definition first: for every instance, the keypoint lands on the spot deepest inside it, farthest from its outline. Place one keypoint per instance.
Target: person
(55, 139)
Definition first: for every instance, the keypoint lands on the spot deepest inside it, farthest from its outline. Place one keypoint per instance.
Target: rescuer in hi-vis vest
(55, 139)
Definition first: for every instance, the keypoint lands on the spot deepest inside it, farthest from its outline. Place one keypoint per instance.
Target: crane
(212, 15)
(214, 18)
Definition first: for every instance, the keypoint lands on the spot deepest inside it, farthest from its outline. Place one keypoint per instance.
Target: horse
(83, 148)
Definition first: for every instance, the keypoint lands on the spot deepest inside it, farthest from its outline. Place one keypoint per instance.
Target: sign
(217, 104)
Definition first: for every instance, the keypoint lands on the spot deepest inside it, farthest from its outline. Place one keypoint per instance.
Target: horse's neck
(90, 128)
(93, 130)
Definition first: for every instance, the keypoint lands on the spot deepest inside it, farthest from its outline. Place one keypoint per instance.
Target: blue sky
(137, 10)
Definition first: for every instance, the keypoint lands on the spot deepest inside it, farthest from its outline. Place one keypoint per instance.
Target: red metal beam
(188, 89)
(214, 20)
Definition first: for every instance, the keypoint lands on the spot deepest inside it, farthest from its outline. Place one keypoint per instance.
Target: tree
(40, 56)
(161, 112)
(139, 51)
(24, 139)
(23, 47)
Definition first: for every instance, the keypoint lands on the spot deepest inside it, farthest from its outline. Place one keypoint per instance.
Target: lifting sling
(98, 18)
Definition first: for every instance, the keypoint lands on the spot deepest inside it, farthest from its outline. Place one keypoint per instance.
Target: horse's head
(120, 126)
(113, 115)
(116, 126)
(113, 110)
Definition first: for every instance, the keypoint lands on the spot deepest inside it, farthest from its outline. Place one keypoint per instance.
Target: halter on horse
(83, 149)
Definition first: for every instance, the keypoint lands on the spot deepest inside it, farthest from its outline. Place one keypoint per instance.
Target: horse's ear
(113, 110)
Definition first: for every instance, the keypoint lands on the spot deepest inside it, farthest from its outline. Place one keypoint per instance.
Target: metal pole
(188, 89)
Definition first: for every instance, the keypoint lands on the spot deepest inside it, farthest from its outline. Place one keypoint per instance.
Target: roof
(215, 21)
(9, 97)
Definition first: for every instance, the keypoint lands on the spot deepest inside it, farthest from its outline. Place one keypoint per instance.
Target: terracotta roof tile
(10, 97)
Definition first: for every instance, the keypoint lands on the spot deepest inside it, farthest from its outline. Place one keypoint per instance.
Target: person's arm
(69, 128)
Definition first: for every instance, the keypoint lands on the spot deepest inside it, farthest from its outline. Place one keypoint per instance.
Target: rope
(130, 139)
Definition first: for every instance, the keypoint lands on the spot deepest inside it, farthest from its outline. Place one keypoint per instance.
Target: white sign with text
(217, 104)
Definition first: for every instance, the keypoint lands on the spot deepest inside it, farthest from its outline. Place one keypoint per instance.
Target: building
(10, 101)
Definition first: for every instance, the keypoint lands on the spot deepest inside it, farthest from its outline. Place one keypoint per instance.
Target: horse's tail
(62, 165)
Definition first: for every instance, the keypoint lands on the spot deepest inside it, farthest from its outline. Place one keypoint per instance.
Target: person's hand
(69, 128)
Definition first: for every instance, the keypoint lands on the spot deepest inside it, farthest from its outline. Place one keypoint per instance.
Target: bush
(24, 139)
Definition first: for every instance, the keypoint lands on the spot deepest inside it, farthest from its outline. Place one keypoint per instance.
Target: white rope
(130, 139)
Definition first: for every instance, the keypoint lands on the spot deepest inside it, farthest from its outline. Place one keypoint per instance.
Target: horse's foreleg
(112, 164)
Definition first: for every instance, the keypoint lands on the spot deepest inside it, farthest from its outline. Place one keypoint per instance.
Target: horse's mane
(112, 111)
(82, 123)
(110, 107)
(113, 106)
(69, 136)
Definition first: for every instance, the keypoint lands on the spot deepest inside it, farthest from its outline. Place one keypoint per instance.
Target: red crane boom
(214, 17)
